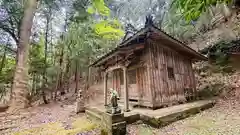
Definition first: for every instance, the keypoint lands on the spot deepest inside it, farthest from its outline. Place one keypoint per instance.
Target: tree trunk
(67, 74)
(3, 60)
(87, 82)
(45, 53)
(44, 96)
(20, 82)
(34, 84)
(45, 61)
(56, 88)
(60, 84)
(76, 76)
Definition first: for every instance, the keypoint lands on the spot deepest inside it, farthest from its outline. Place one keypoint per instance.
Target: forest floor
(55, 118)
(222, 119)
(60, 119)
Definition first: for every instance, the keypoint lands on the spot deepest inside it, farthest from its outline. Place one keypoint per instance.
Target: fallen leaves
(222, 119)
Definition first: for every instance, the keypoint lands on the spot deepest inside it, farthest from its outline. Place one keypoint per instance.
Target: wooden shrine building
(151, 68)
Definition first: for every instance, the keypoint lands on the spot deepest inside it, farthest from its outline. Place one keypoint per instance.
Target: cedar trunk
(67, 75)
(3, 60)
(20, 82)
(76, 76)
(45, 62)
(60, 84)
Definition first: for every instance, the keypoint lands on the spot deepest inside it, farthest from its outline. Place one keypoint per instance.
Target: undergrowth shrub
(218, 55)
(210, 90)
(214, 84)
(210, 84)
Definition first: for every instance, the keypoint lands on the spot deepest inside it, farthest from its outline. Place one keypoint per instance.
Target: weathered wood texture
(167, 90)
(140, 90)
(153, 87)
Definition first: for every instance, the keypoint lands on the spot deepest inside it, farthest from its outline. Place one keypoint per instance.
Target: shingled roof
(149, 28)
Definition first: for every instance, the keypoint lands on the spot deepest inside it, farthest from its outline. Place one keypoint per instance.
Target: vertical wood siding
(167, 90)
(153, 86)
(140, 91)
(143, 86)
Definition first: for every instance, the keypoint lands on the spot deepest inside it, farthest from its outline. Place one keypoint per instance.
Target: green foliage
(11, 16)
(176, 25)
(84, 45)
(107, 28)
(219, 55)
(84, 41)
(98, 6)
(211, 90)
(37, 57)
(7, 71)
(192, 9)
(80, 13)
(103, 25)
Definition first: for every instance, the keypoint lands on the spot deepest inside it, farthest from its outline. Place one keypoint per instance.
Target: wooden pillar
(105, 88)
(126, 103)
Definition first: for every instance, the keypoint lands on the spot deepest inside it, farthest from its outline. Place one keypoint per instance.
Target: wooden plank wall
(166, 90)
(144, 84)
(142, 90)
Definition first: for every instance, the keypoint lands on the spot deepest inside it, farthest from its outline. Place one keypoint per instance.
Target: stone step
(131, 117)
(162, 117)
(95, 110)
(93, 115)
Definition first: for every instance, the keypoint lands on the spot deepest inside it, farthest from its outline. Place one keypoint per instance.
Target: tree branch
(11, 49)
(10, 32)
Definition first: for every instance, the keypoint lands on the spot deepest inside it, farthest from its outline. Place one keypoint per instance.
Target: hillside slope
(223, 30)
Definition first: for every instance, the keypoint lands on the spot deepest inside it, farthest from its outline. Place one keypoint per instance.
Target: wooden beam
(123, 44)
(113, 61)
(114, 68)
(126, 98)
(133, 47)
(105, 89)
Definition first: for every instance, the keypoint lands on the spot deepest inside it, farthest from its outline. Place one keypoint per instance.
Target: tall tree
(48, 15)
(11, 16)
(20, 83)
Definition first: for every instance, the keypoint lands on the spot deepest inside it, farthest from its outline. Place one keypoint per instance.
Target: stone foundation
(114, 124)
